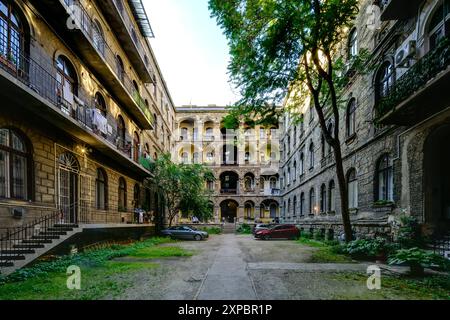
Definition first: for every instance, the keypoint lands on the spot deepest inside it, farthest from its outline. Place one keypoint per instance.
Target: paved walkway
(227, 278)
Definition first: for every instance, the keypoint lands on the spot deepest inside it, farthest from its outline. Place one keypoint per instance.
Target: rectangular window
(19, 177)
(353, 194)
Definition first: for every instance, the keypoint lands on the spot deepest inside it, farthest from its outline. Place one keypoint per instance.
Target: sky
(191, 51)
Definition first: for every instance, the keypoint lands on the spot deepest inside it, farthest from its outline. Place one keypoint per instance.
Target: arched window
(385, 179)
(353, 44)
(295, 171)
(289, 208)
(184, 157)
(351, 118)
(323, 198)
(122, 205)
(311, 156)
(12, 40)
(15, 166)
(294, 206)
(352, 184)
(67, 83)
(323, 146)
(332, 196)
(120, 68)
(196, 158)
(121, 132)
(302, 164)
(101, 189)
(98, 37)
(312, 202)
(146, 151)
(136, 147)
(100, 103)
(137, 196)
(136, 86)
(439, 24)
(384, 80)
(273, 183)
(302, 204)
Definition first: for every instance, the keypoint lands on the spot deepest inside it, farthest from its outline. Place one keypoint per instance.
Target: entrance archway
(437, 179)
(228, 210)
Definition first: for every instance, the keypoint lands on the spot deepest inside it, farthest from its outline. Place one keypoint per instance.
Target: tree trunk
(343, 191)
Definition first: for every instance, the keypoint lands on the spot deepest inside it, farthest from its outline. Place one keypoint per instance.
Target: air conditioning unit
(18, 213)
(406, 52)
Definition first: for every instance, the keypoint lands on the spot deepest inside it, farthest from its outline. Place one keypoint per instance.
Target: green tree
(181, 186)
(290, 48)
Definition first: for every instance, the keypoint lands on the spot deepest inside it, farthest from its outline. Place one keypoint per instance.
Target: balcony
(31, 88)
(228, 191)
(121, 23)
(79, 34)
(421, 92)
(398, 9)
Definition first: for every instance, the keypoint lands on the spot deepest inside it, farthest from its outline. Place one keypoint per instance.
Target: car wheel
(266, 238)
(197, 237)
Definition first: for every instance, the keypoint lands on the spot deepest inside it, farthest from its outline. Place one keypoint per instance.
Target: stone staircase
(21, 246)
(229, 228)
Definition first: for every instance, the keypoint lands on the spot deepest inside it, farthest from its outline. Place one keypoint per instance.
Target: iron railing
(91, 31)
(441, 245)
(42, 80)
(416, 77)
(17, 241)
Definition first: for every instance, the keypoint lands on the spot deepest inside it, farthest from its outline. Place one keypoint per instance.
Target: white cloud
(191, 51)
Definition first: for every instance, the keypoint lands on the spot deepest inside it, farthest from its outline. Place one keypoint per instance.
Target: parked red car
(285, 231)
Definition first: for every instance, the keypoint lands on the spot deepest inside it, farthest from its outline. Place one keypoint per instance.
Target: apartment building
(245, 163)
(83, 109)
(394, 128)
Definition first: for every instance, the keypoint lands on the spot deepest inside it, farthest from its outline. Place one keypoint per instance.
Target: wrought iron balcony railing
(79, 107)
(416, 78)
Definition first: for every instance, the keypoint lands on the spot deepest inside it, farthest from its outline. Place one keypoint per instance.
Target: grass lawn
(101, 276)
(324, 253)
(427, 288)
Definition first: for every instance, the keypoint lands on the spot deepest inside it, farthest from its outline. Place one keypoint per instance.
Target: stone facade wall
(362, 151)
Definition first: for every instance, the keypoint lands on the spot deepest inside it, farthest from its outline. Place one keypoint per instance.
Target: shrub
(244, 229)
(418, 259)
(307, 235)
(366, 248)
(409, 234)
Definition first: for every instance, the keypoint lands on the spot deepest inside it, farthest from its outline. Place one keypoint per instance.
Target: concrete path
(227, 278)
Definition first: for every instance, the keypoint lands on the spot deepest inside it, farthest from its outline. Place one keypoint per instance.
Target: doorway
(228, 210)
(437, 179)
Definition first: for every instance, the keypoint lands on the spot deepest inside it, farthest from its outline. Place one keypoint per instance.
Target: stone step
(6, 264)
(13, 258)
(46, 237)
(60, 229)
(53, 233)
(29, 245)
(17, 251)
(36, 241)
(68, 225)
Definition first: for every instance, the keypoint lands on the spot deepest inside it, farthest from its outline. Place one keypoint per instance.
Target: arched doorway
(68, 186)
(437, 179)
(228, 210)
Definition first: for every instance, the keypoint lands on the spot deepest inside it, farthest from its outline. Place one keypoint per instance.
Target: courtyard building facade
(394, 129)
(84, 108)
(244, 161)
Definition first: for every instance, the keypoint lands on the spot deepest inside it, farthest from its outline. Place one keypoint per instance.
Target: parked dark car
(285, 231)
(184, 232)
(261, 226)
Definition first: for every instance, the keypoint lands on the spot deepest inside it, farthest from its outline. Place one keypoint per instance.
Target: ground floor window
(15, 165)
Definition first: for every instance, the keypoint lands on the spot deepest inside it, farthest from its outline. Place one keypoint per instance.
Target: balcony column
(240, 214)
(256, 213)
